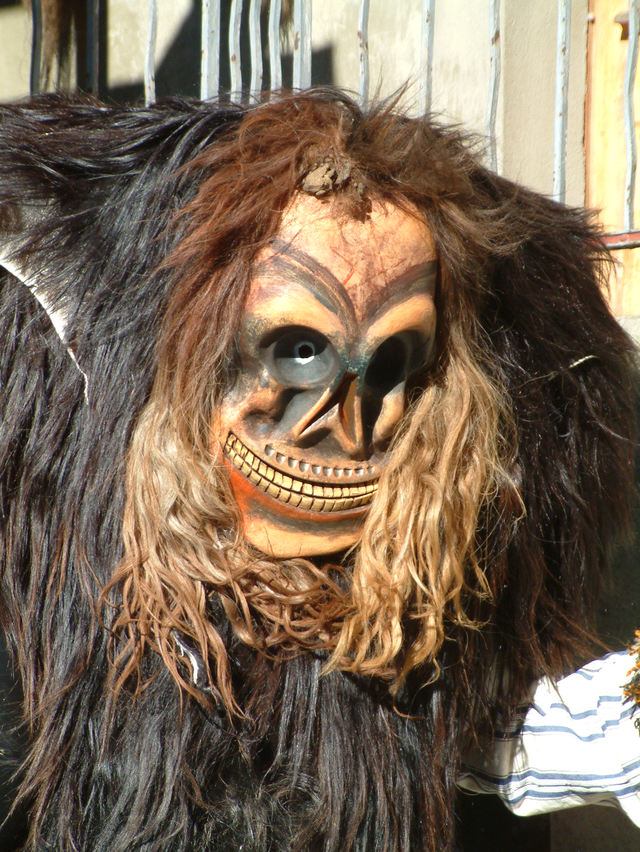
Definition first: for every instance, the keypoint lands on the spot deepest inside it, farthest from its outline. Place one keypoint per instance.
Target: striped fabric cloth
(578, 744)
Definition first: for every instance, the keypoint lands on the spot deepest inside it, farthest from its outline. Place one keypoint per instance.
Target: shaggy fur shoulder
(333, 763)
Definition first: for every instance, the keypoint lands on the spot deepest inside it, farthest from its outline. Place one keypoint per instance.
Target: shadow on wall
(179, 71)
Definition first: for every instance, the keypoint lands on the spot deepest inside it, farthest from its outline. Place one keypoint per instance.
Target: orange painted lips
(298, 493)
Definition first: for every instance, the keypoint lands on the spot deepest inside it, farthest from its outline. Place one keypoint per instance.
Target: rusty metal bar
(629, 117)
(255, 44)
(275, 53)
(363, 45)
(494, 84)
(210, 62)
(562, 100)
(622, 240)
(93, 45)
(150, 55)
(36, 46)
(235, 19)
(302, 44)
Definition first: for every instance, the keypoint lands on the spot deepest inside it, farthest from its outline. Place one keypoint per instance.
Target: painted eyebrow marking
(410, 283)
(330, 292)
(312, 275)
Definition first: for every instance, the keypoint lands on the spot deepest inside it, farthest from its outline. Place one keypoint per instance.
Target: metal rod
(150, 57)
(622, 240)
(629, 118)
(363, 44)
(235, 67)
(426, 55)
(93, 45)
(562, 100)
(494, 85)
(275, 53)
(210, 63)
(36, 46)
(255, 43)
(302, 44)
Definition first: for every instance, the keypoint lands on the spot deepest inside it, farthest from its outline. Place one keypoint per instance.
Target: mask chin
(286, 531)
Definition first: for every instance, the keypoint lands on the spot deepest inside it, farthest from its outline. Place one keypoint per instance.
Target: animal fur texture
(181, 691)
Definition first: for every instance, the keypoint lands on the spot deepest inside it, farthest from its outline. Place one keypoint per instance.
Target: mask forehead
(367, 258)
(339, 315)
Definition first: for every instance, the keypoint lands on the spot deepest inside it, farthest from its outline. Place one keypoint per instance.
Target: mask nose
(339, 416)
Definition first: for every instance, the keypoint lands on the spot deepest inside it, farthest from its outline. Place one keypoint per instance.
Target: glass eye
(301, 357)
(304, 351)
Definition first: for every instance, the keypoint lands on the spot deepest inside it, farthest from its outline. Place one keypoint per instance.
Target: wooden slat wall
(606, 159)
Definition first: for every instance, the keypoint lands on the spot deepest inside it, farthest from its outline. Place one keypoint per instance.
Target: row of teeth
(304, 466)
(296, 492)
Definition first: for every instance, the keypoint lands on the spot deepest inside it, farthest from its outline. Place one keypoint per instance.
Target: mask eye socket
(388, 367)
(301, 357)
(395, 360)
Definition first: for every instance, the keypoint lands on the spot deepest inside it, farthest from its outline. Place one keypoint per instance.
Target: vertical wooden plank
(606, 147)
(363, 50)
(255, 43)
(426, 55)
(562, 100)
(605, 130)
(210, 62)
(629, 116)
(235, 68)
(150, 55)
(302, 44)
(275, 54)
(494, 84)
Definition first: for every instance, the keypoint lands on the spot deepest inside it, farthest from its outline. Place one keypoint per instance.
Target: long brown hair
(453, 481)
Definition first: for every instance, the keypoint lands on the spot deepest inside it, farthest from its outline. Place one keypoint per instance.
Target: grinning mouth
(300, 493)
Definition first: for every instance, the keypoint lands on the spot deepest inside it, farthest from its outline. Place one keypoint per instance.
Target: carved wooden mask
(339, 315)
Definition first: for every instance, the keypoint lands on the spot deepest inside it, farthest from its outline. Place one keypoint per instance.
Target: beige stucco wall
(528, 96)
(128, 25)
(127, 22)
(15, 52)
(461, 52)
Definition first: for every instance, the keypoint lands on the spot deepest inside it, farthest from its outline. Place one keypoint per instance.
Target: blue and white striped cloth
(578, 745)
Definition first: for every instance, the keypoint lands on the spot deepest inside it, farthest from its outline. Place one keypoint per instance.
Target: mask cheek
(256, 399)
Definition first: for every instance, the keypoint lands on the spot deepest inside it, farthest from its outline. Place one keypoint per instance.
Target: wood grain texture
(606, 158)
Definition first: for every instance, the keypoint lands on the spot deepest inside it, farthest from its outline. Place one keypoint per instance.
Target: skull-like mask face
(339, 315)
